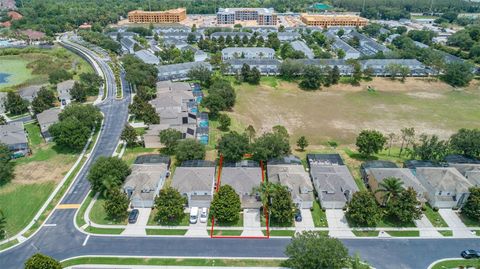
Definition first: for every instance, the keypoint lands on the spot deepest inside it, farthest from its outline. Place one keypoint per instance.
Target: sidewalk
(426, 228)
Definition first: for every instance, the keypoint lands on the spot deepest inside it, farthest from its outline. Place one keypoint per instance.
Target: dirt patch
(426, 95)
(41, 171)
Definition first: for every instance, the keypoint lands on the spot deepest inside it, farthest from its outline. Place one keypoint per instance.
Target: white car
(204, 215)
(193, 215)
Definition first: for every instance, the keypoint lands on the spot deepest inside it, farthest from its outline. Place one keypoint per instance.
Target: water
(4, 77)
(4, 43)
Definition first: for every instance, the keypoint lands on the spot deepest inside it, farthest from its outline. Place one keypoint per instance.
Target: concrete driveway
(306, 223)
(337, 223)
(138, 228)
(455, 223)
(426, 228)
(251, 223)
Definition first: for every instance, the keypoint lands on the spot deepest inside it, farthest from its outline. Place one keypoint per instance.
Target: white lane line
(86, 240)
(50, 225)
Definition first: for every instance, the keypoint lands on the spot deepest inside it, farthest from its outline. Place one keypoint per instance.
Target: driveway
(251, 223)
(337, 223)
(458, 227)
(426, 228)
(306, 223)
(138, 228)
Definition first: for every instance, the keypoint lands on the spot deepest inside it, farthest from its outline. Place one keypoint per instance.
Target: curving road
(61, 239)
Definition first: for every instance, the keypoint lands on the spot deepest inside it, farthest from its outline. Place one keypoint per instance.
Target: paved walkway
(251, 223)
(306, 223)
(458, 227)
(426, 227)
(138, 228)
(197, 230)
(337, 223)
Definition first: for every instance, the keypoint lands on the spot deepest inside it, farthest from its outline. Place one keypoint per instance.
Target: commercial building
(167, 16)
(263, 16)
(328, 20)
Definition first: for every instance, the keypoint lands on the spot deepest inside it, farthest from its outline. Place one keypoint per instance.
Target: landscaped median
(455, 263)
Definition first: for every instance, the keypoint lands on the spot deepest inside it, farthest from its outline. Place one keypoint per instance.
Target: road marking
(68, 206)
(50, 225)
(86, 240)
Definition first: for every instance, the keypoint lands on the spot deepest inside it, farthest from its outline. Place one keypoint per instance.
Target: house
(374, 164)
(63, 90)
(144, 183)
(243, 177)
(200, 56)
(375, 176)
(292, 175)
(241, 35)
(265, 66)
(469, 168)
(392, 37)
(179, 71)
(303, 47)
(152, 140)
(147, 57)
(287, 36)
(128, 44)
(446, 187)
(194, 180)
(368, 46)
(332, 180)
(343, 67)
(30, 92)
(247, 53)
(380, 66)
(338, 44)
(46, 119)
(13, 135)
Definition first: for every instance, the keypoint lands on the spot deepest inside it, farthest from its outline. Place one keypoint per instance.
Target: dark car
(298, 215)
(132, 217)
(470, 253)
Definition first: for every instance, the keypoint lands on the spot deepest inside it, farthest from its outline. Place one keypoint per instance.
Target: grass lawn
(385, 222)
(468, 221)
(365, 233)
(477, 232)
(183, 222)
(81, 212)
(434, 217)
(131, 153)
(99, 216)
(17, 68)
(457, 263)
(215, 134)
(280, 232)
(239, 223)
(446, 232)
(404, 233)
(173, 262)
(8, 244)
(226, 232)
(34, 134)
(96, 230)
(318, 215)
(166, 231)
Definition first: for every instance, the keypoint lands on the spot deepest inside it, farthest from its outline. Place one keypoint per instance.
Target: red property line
(265, 209)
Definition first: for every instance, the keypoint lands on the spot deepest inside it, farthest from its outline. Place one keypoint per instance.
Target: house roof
(29, 92)
(257, 62)
(47, 118)
(191, 179)
(294, 177)
(232, 34)
(64, 87)
(147, 57)
(248, 50)
(13, 133)
(145, 179)
(444, 179)
(242, 179)
(333, 182)
(404, 174)
(301, 46)
(181, 67)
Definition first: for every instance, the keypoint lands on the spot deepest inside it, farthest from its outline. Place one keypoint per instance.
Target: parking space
(306, 223)
(138, 228)
(251, 223)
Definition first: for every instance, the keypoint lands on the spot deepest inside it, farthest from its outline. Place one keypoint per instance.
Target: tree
(214, 103)
(169, 138)
(290, 69)
(302, 143)
(116, 204)
(3, 120)
(225, 205)
(59, 75)
(144, 111)
(471, 208)
(312, 78)
(429, 148)
(15, 104)
(405, 207)
(44, 100)
(3, 222)
(88, 115)
(408, 135)
(129, 135)
(341, 54)
(466, 142)
(270, 146)
(91, 83)
(78, 93)
(391, 137)
(6, 166)
(390, 187)
(254, 76)
(335, 75)
(201, 74)
(169, 205)
(40, 261)
(233, 146)
(369, 142)
(458, 74)
(311, 249)
(189, 149)
(363, 209)
(357, 71)
(250, 131)
(281, 208)
(224, 121)
(70, 133)
(108, 173)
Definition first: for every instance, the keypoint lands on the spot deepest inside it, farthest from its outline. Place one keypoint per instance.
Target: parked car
(133, 216)
(193, 215)
(470, 253)
(204, 215)
(298, 215)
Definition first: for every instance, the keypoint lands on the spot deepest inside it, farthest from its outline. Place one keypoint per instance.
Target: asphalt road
(63, 240)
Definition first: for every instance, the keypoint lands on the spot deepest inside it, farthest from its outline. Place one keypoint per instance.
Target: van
(193, 215)
(204, 215)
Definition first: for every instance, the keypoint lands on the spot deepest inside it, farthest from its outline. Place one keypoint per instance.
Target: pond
(4, 77)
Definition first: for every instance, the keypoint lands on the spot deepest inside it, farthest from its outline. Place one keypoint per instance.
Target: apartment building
(329, 20)
(167, 16)
(263, 16)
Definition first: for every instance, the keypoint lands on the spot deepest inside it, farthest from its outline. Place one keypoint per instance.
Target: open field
(340, 112)
(17, 68)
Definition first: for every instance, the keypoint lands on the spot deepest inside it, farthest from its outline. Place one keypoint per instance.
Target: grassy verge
(457, 264)
(404, 233)
(81, 212)
(318, 215)
(365, 233)
(182, 222)
(280, 232)
(239, 223)
(166, 231)
(172, 261)
(434, 217)
(226, 232)
(8, 244)
(446, 232)
(95, 230)
(468, 221)
(99, 216)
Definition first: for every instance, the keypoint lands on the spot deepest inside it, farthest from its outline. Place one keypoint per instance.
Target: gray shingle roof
(191, 179)
(294, 177)
(334, 182)
(145, 179)
(182, 66)
(147, 57)
(242, 179)
(13, 133)
(404, 174)
(444, 179)
(47, 118)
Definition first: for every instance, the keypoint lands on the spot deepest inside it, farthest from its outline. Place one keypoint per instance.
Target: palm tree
(391, 187)
(265, 190)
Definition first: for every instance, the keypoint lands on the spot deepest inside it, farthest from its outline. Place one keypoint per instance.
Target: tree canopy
(362, 209)
(189, 149)
(40, 261)
(169, 205)
(233, 146)
(108, 173)
(370, 142)
(225, 205)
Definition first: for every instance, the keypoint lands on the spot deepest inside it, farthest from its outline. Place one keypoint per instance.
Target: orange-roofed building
(85, 26)
(14, 15)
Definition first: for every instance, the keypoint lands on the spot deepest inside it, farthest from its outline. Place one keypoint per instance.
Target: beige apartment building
(167, 16)
(328, 20)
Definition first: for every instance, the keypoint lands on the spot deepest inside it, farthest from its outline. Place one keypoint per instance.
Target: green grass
(280, 232)
(182, 222)
(446, 232)
(132, 153)
(8, 244)
(468, 221)
(141, 130)
(457, 263)
(166, 231)
(477, 232)
(434, 217)
(81, 212)
(96, 230)
(34, 135)
(271, 81)
(226, 232)
(238, 223)
(385, 222)
(365, 233)
(318, 215)
(173, 262)
(99, 216)
(17, 68)
(404, 233)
